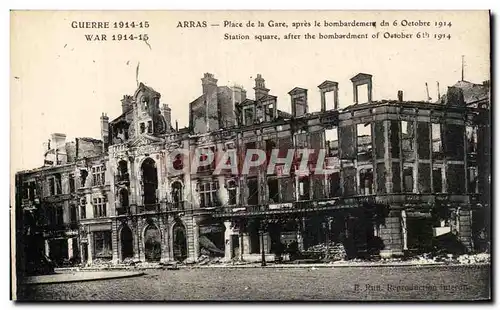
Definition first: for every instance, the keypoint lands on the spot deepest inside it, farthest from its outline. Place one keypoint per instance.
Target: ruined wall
(88, 147)
(226, 109)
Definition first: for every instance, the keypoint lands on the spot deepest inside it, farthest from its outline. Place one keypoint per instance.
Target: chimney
(260, 87)
(105, 131)
(209, 83)
(237, 92)
(361, 79)
(400, 95)
(326, 87)
(126, 103)
(167, 114)
(210, 102)
(298, 98)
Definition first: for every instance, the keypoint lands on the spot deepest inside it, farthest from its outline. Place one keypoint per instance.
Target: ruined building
(403, 172)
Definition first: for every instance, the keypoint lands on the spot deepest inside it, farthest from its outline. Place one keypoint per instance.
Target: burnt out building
(400, 174)
(47, 214)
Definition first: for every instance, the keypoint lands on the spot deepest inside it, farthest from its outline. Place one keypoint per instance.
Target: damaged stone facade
(403, 173)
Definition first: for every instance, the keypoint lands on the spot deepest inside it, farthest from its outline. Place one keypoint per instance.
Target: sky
(62, 83)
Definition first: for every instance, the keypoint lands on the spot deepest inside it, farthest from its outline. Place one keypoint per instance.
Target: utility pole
(462, 67)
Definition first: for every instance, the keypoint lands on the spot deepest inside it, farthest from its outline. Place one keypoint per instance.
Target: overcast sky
(62, 83)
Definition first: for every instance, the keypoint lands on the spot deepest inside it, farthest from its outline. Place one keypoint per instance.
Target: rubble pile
(207, 260)
(334, 251)
(466, 259)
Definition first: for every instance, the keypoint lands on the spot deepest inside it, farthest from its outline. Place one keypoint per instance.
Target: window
(335, 189)
(83, 213)
(150, 127)
(208, 194)
(407, 136)
(366, 181)
(98, 176)
(99, 207)
(437, 145)
(248, 114)
(437, 180)
(471, 139)
(142, 127)
(253, 191)
(408, 179)
(29, 190)
(123, 171)
(177, 195)
(73, 214)
(274, 193)
(269, 112)
(472, 180)
(55, 187)
(332, 142)
(364, 142)
(232, 193)
(71, 183)
(304, 185)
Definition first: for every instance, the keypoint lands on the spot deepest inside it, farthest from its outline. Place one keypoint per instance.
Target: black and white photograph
(250, 156)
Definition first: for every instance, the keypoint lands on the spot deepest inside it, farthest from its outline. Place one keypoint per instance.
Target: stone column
(47, 248)
(228, 241)
(240, 239)
(246, 243)
(70, 248)
(391, 235)
(90, 244)
(196, 240)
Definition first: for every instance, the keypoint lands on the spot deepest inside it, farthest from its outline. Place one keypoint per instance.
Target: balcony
(123, 211)
(149, 208)
(176, 206)
(122, 178)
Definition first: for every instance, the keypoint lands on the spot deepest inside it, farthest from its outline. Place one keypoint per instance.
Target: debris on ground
(332, 252)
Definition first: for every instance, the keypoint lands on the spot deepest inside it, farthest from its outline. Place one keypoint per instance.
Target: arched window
(123, 171)
(149, 181)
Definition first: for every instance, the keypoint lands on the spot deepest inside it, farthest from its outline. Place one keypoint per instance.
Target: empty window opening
(437, 180)
(472, 180)
(122, 171)
(364, 142)
(362, 93)
(71, 183)
(332, 142)
(150, 127)
(304, 188)
(269, 112)
(330, 100)
(335, 188)
(149, 181)
(408, 179)
(471, 139)
(407, 136)
(253, 192)
(142, 127)
(437, 145)
(366, 181)
(249, 115)
(83, 210)
(177, 192)
(232, 193)
(274, 194)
